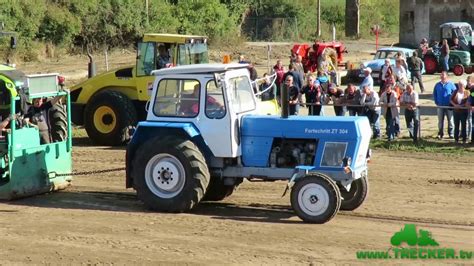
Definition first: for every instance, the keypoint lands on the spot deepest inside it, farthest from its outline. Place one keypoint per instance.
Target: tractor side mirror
(13, 42)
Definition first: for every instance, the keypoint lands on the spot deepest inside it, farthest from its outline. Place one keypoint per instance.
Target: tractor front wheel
(356, 195)
(315, 199)
(170, 174)
(108, 117)
(58, 122)
(458, 70)
(469, 70)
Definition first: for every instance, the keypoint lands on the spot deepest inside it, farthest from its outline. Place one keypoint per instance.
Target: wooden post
(318, 25)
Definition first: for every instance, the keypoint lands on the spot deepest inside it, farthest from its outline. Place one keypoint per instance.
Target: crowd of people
(454, 101)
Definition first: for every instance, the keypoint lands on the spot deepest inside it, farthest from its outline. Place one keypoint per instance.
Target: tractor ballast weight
(26, 166)
(202, 137)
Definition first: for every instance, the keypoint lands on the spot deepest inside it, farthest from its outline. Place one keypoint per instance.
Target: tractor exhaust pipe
(284, 101)
(91, 69)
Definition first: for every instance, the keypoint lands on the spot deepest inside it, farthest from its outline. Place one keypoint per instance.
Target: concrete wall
(421, 18)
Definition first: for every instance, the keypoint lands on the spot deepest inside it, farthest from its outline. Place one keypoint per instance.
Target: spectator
(415, 65)
(400, 56)
(389, 100)
(4, 124)
(471, 102)
(368, 80)
(299, 68)
(424, 46)
(370, 102)
(445, 55)
(387, 71)
(37, 114)
(442, 96)
(253, 76)
(292, 95)
(293, 57)
(297, 82)
(335, 95)
(459, 100)
(242, 60)
(279, 70)
(352, 97)
(409, 100)
(470, 118)
(269, 89)
(314, 96)
(400, 73)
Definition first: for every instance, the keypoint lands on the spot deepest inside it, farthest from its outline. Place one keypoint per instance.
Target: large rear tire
(108, 117)
(58, 122)
(217, 190)
(431, 64)
(315, 199)
(170, 174)
(354, 198)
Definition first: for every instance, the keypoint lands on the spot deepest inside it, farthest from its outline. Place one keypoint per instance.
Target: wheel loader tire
(354, 198)
(108, 117)
(217, 191)
(315, 198)
(58, 122)
(170, 174)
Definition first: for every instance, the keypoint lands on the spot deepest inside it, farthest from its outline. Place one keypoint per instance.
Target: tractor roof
(455, 24)
(198, 69)
(170, 38)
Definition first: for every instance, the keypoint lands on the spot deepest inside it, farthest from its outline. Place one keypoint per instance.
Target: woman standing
(459, 100)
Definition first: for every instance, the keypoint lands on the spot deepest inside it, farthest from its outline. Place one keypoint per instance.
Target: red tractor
(311, 54)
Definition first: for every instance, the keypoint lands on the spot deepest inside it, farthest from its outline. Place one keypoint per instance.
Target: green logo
(409, 235)
(410, 243)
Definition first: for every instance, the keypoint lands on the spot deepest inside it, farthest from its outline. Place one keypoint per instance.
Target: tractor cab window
(446, 33)
(333, 154)
(177, 98)
(193, 53)
(241, 94)
(215, 106)
(145, 58)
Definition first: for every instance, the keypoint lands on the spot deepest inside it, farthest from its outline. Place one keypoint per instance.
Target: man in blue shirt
(442, 95)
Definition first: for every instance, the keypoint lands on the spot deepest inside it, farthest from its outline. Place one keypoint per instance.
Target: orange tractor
(314, 54)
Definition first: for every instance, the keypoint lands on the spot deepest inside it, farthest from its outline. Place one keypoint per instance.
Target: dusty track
(98, 221)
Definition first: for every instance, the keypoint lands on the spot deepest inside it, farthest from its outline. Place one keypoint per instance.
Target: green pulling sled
(28, 167)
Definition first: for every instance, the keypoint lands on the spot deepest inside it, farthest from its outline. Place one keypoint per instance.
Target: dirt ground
(98, 221)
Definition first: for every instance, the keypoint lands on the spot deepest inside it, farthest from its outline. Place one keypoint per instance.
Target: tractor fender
(147, 130)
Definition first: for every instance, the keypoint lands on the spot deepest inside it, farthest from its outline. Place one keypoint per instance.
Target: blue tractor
(202, 137)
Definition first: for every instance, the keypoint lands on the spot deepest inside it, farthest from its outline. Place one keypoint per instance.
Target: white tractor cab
(203, 135)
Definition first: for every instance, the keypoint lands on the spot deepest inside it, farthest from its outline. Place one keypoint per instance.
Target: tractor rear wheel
(431, 64)
(353, 198)
(108, 117)
(315, 198)
(170, 174)
(217, 190)
(58, 122)
(458, 70)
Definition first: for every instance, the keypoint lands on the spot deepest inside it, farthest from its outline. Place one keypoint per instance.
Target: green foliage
(98, 23)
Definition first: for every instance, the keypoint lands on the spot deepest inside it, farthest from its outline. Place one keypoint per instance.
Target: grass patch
(425, 145)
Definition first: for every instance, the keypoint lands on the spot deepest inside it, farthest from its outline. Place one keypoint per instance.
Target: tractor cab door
(241, 100)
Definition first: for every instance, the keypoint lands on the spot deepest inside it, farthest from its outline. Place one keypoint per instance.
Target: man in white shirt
(409, 100)
(368, 80)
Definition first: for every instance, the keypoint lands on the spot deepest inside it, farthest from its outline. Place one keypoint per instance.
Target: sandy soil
(97, 221)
